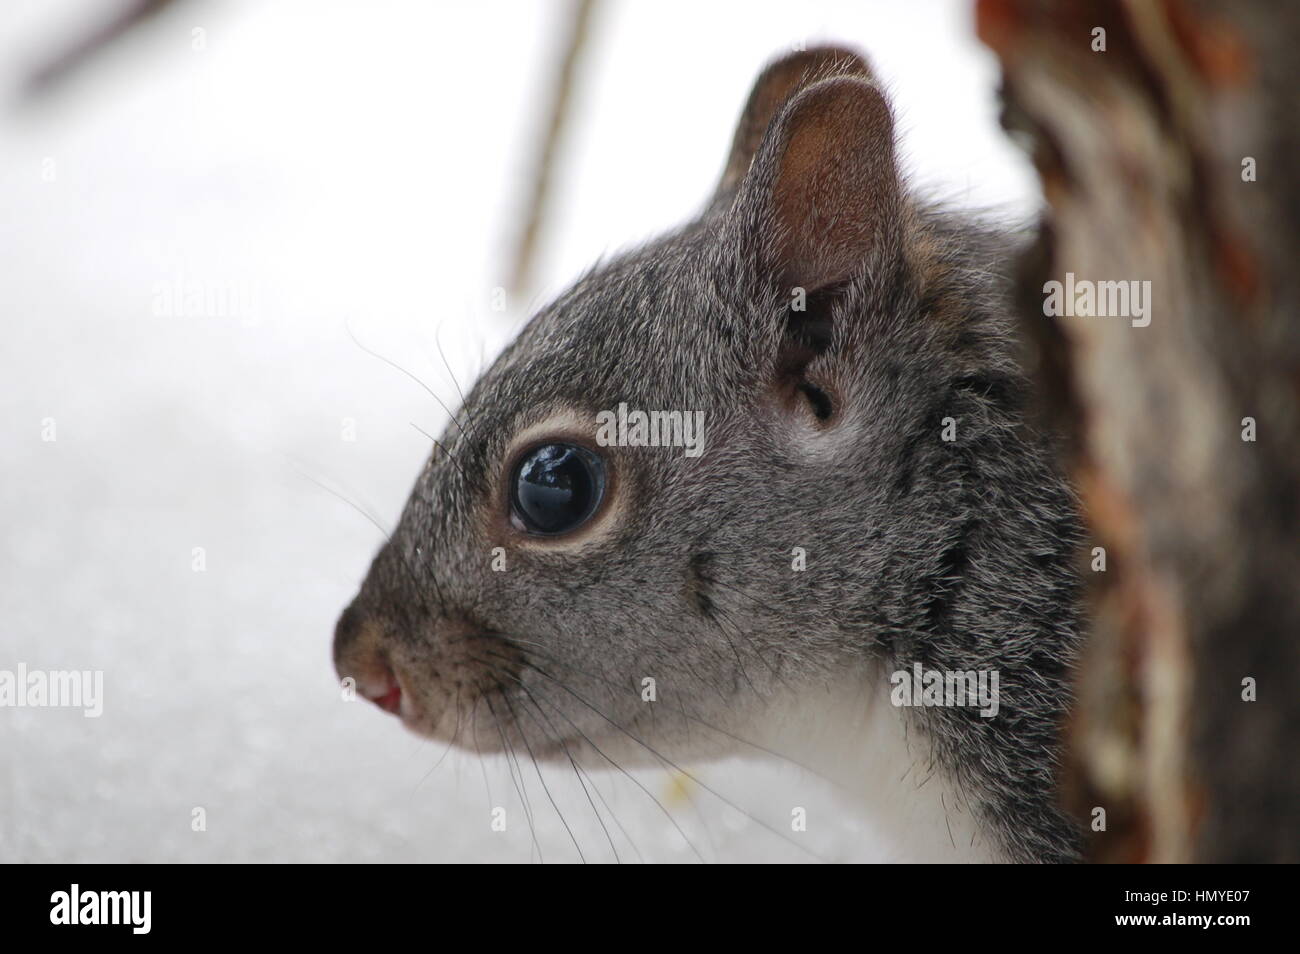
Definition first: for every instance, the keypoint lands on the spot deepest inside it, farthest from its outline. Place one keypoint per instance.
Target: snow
(317, 164)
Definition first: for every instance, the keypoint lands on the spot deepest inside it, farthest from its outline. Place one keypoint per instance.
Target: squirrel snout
(430, 673)
(359, 655)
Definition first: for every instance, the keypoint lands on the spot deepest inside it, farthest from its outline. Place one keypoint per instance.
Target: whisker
(716, 794)
(415, 585)
(516, 777)
(450, 456)
(635, 781)
(393, 364)
(347, 500)
(437, 340)
(482, 763)
(523, 737)
(450, 745)
(577, 770)
(536, 648)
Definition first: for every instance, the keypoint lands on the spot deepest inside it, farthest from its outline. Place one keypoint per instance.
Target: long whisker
(523, 737)
(577, 770)
(630, 777)
(482, 763)
(449, 455)
(338, 494)
(393, 364)
(410, 572)
(535, 648)
(455, 735)
(437, 340)
(716, 794)
(516, 777)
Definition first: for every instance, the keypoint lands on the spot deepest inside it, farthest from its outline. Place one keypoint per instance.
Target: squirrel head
(556, 581)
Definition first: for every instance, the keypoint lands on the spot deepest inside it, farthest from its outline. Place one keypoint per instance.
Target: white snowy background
(332, 162)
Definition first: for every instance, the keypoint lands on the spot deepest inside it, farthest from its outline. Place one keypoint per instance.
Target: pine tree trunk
(1167, 146)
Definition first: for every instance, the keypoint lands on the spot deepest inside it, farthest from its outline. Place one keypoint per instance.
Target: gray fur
(956, 555)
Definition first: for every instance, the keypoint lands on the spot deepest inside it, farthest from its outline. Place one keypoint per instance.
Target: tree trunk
(1167, 147)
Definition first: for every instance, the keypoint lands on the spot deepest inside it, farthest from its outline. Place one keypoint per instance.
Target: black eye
(556, 488)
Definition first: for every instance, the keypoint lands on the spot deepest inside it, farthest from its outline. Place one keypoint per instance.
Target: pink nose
(359, 654)
(390, 701)
(377, 681)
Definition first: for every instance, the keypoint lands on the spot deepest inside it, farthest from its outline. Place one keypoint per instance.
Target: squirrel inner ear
(826, 173)
(772, 90)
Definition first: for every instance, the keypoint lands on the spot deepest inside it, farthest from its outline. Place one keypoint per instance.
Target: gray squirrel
(869, 501)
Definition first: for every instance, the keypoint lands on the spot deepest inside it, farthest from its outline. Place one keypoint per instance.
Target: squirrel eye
(556, 488)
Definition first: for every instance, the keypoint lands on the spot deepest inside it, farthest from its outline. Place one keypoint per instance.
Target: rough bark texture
(1141, 150)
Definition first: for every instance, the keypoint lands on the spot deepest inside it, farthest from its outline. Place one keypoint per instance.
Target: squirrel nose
(359, 655)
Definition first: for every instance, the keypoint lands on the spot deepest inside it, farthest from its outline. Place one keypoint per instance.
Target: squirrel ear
(773, 88)
(827, 176)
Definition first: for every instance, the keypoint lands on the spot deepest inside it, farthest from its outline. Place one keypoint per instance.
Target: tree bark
(1184, 433)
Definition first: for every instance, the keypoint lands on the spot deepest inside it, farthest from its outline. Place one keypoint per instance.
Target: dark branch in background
(86, 50)
(1140, 149)
(533, 214)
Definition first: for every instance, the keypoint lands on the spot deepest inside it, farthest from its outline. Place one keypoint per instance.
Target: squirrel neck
(880, 757)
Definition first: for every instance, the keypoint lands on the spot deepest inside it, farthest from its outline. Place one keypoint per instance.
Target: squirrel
(869, 505)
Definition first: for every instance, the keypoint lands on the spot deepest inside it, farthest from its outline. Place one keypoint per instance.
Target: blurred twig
(534, 211)
(85, 50)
